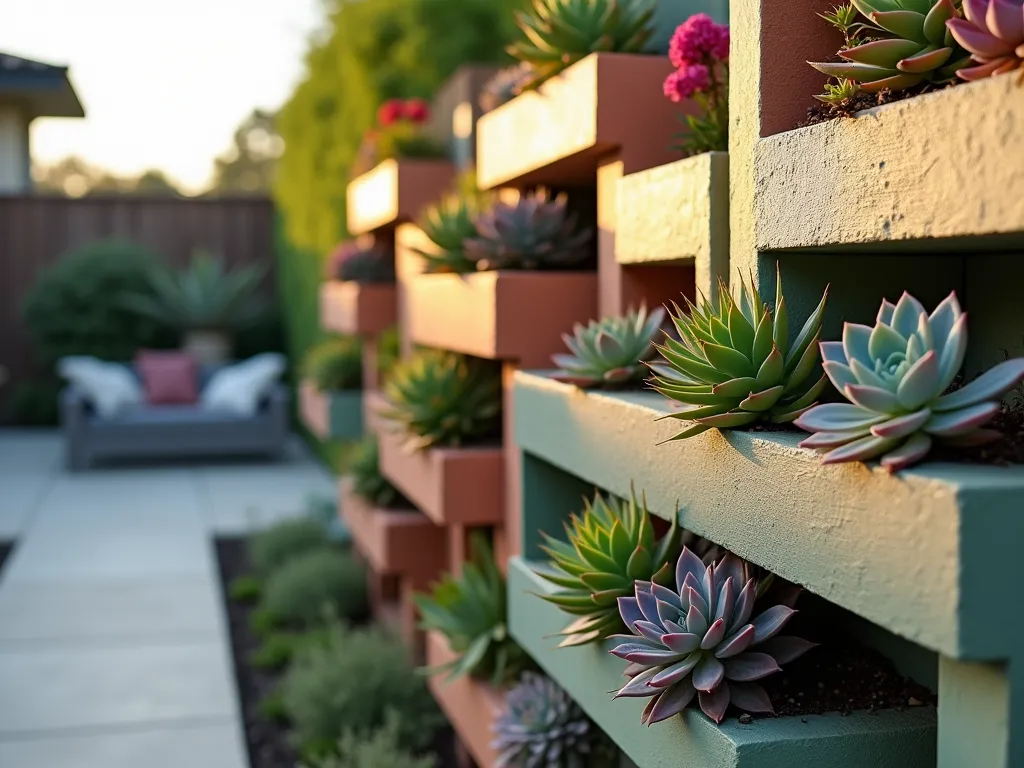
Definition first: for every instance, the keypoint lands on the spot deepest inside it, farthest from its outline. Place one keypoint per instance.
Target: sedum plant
(449, 224)
(470, 610)
(610, 546)
(896, 377)
(993, 33)
(558, 33)
(734, 365)
(699, 641)
(367, 481)
(901, 44)
(275, 545)
(335, 364)
(535, 232)
(442, 398)
(542, 727)
(609, 351)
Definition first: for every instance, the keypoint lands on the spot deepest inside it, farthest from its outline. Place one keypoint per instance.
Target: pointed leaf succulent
(611, 545)
(448, 224)
(609, 351)
(896, 376)
(699, 641)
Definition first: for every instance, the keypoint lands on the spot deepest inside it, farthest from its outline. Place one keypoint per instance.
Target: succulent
(909, 45)
(895, 376)
(470, 610)
(610, 546)
(335, 364)
(699, 640)
(535, 232)
(558, 33)
(733, 364)
(838, 93)
(442, 398)
(506, 84)
(360, 263)
(542, 727)
(449, 224)
(609, 351)
(993, 33)
(367, 481)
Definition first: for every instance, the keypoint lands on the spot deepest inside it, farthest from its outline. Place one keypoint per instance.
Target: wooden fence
(35, 232)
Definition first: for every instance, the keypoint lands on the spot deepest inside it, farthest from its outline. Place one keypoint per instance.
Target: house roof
(44, 88)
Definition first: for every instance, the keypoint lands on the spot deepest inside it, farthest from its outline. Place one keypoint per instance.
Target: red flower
(390, 112)
(417, 110)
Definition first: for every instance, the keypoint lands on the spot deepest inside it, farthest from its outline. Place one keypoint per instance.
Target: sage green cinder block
(973, 708)
(886, 739)
(346, 414)
(929, 554)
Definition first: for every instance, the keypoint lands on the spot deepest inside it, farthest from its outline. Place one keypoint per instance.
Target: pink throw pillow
(168, 378)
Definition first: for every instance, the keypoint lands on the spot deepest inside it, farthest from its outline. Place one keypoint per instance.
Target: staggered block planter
(927, 554)
(606, 103)
(332, 415)
(677, 214)
(471, 706)
(501, 315)
(356, 308)
(883, 739)
(395, 191)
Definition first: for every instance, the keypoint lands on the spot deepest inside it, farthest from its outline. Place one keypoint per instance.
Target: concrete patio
(113, 647)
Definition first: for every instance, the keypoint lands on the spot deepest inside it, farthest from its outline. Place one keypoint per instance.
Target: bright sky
(163, 84)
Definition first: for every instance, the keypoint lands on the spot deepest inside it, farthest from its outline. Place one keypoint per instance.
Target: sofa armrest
(278, 408)
(74, 415)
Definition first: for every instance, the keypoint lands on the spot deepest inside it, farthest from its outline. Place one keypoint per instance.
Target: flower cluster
(699, 50)
(395, 110)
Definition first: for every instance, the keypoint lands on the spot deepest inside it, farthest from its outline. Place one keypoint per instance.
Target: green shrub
(272, 708)
(279, 648)
(245, 589)
(34, 402)
(350, 682)
(367, 480)
(300, 591)
(76, 307)
(275, 545)
(335, 364)
(380, 749)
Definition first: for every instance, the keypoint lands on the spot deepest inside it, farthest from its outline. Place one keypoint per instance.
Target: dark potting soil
(821, 112)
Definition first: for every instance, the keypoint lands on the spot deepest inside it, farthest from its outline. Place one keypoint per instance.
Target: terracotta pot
(401, 542)
(331, 415)
(207, 347)
(353, 308)
(395, 191)
(471, 706)
(504, 315)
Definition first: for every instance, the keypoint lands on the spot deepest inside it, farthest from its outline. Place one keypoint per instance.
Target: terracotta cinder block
(502, 315)
(606, 103)
(395, 191)
(357, 309)
(409, 239)
(471, 706)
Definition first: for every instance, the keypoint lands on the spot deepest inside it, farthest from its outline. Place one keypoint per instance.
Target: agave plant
(535, 232)
(609, 351)
(895, 376)
(909, 44)
(441, 398)
(733, 364)
(470, 611)
(542, 727)
(359, 263)
(699, 640)
(367, 481)
(449, 224)
(558, 33)
(993, 33)
(611, 545)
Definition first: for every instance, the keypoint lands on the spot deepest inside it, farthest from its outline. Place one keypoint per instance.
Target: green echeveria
(913, 46)
(733, 364)
(449, 224)
(609, 351)
(611, 545)
(895, 376)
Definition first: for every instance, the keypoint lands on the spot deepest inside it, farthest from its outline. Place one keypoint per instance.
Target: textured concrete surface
(113, 646)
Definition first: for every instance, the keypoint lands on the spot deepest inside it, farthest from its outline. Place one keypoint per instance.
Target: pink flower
(686, 81)
(390, 111)
(697, 39)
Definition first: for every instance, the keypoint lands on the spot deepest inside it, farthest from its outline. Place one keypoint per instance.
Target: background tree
(247, 168)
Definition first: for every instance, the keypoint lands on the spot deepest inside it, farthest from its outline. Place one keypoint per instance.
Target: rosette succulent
(908, 43)
(610, 546)
(609, 351)
(558, 33)
(896, 377)
(442, 398)
(372, 264)
(367, 480)
(335, 364)
(699, 640)
(733, 364)
(542, 727)
(448, 224)
(535, 232)
(993, 33)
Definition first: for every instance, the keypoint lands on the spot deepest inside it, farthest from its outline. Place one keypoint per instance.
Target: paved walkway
(113, 647)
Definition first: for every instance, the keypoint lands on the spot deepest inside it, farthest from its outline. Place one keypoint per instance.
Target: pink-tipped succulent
(993, 33)
(609, 351)
(895, 376)
(699, 641)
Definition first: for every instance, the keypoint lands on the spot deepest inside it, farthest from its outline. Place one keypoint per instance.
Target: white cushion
(108, 386)
(239, 388)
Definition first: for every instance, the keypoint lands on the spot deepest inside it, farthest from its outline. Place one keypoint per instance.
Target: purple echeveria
(993, 33)
(699, 641)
